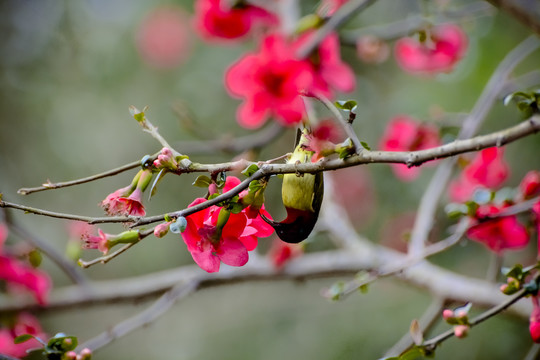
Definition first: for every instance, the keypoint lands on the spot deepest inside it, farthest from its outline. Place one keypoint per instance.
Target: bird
(302, 196)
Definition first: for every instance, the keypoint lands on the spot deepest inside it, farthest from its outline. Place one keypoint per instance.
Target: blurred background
(69, 70)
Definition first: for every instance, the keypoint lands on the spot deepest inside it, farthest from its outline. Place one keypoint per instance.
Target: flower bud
(70, 355)
(162, 229)
(530, 185)
(447, 314)
(461, 331)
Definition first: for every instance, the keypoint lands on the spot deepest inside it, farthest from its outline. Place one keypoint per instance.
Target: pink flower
(111, 205)
(128, 200)
(100, 242)
(498, 234)
(270, 82)
(321, 139)
(487, 170)
(132, 205)
(15, 272)
(439, 53)
(328, 69)
(214, 235)
(104, 242)
(530, 185)
(23, 324)
(404, 133)
(216, 19)
(372, 50)
(163, 38)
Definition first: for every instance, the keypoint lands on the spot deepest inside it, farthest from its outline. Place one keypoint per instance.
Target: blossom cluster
(19, 276)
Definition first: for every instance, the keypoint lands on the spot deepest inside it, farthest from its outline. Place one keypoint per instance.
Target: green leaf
(472, 207)
(220, 180)
(202, 181)
(515, 272)
(159, 177)
(61, 342)
(412, 354)
(365, 145)
(250, 170)
(235, 208)
(146, 161)
(136, 113)
(347, 105)
(255, 186)
(23, 338)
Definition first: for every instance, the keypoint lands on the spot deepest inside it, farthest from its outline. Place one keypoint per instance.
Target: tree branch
(522, 14)
(414, 158)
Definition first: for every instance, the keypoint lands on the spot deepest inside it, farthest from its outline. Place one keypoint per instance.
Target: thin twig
(49, 185)
(105, 258)
(431, 344)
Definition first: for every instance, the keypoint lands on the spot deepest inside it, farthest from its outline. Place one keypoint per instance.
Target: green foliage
(250, 170)
(526, 102)
(202, 181)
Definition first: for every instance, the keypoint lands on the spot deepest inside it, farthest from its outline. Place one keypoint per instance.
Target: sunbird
(302, 196)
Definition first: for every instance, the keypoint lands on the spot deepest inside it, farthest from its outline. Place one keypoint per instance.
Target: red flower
(447, 46)
(328, 69)
(270, 82)
(530, 185)
(486, 170)
(210, 242)
(281, 253)
(15, 272)
(534, 321)
(404, 133)
(163, 38)
(24, 324)
(216, 19)
(536, 212)
(498, 234)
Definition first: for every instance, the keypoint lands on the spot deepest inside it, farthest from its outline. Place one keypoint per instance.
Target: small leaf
(416, 332)
(515, 272)
(250, 170)
(23, 338)
(412, 354)
(347, 105)
(61, 342)
(146, 161)
(202, 181)
(220, 179)
(136, 113)
(255, 186)
(179, 226)
(365, 145)
(153, 188)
